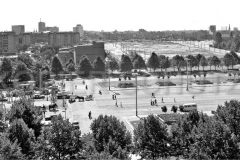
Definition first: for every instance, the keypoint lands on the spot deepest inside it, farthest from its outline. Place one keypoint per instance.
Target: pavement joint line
(130, 125)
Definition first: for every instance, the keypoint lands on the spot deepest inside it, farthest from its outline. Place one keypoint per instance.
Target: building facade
(7, 43)
(30, 38)
(79, 28)
(41, 26)
(18, 29)
(63, 38)
(92, 51)
(212, 29)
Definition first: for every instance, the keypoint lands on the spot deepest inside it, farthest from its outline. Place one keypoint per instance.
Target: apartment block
(18, 29)
(7, 43)
(63, 38)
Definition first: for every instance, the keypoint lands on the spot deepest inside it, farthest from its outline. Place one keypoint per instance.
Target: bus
(189, 107)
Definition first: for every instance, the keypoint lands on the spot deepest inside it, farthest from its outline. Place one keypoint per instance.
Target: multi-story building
(41, 26)
(18, 29)
(63, 38)
(30, 38)
(52, 29)
(79, 28)
(7, 43)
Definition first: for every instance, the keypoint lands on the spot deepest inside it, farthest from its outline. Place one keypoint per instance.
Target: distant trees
(98, 64)
(203, 62)
(229, 60)
(153, 61)
(126, 64)
(198, 57)
(164, 62)
(178, 61)
(56, 67)
(85, 65)
(139, 63)
(151, 138)
(218, 38)
(193, 62)
(215, 61)
(113, 65)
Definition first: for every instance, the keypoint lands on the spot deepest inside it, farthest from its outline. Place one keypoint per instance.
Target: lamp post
(136, 94)
(109, 81)
(187, 73)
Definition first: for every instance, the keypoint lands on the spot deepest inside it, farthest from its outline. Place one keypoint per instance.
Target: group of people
(153, 102)
(114, 97)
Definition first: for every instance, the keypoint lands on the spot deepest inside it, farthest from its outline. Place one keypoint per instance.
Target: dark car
(38, 96)
(3, 99)
(75, 125)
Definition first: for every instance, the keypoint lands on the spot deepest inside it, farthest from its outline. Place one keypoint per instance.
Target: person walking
(100, 92)
(90, 115)
(193, 97)
(156, 102)
(151, 102)
(162, 99)
(86, 87)
(113, 96)
(174, 100)
(116, 104)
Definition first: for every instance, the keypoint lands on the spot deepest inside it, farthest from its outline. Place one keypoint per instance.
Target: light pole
(109, 81)
(187, 73)
(136, 94)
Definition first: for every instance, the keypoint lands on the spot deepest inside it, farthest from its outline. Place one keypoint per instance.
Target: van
(189, 107)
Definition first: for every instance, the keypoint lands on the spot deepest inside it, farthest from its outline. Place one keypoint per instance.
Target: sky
(120, 15)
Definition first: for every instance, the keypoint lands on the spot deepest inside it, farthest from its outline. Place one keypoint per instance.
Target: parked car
(38, 96)
(72, 99)
(75, 125)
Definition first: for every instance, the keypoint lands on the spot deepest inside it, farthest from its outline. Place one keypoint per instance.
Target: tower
(229, 28)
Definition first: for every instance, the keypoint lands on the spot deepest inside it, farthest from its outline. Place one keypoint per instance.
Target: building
(212, 29)
(79, 28)
(224, 28)
(235, 29)
(18, 29)
(30, 38)
(63, 38)
(92, 51)
(41, 26)
(7, 43)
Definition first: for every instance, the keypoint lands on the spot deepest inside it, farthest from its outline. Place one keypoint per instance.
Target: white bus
(189, 107)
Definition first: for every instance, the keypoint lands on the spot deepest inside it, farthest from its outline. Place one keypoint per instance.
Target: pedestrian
(86, 87)
(47, 97)
(192, 97)
(113, 96)
(162, 99)
(116, 104)
(174, 100)
(152, 95)
(100, 92)
(72, 92)
(151, 103)
(121, 105)
(90, 115)
(155, 101)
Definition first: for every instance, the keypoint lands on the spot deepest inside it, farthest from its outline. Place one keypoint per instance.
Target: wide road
(207, 99)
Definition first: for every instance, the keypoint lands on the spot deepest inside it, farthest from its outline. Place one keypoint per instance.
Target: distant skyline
(120, 15)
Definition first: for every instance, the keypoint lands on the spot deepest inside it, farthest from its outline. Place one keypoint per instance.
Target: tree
(9, 150)
(25, 58)
(151, 138)
(6, 68)
(178, 61)
(209, 62)
(85, 65)
(109, 131)
(126, 64)
(199, 57)
(164, 62)
(228, 60)
(113, 65)
(139, 63)
(215, 61)
(218, 38)
(59, 141)
(56, 66)
(193, 62)
(98, 64)
(153, 61)
(203, 62)
(235, 57)
(174, 108)
(236, 44)
(19, 131)
(22, 72)
(25, 110)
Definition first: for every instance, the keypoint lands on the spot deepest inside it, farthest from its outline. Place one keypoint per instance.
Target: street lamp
(187, 72)
(136, 74)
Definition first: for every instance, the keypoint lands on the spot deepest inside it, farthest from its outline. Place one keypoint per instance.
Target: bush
(166, 83)
(125, 85)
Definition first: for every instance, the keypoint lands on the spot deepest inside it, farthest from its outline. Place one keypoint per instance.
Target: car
(75, 125)
(89, 97)
(3, 99)
(38, 96)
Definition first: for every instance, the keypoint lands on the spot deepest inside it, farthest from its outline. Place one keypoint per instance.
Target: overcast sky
(108, 15)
